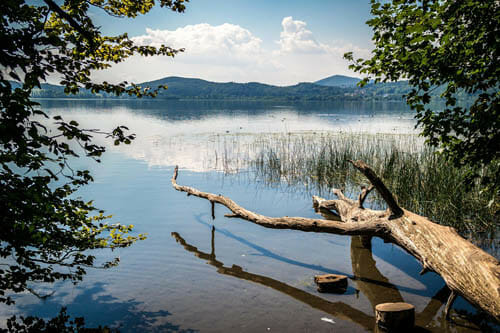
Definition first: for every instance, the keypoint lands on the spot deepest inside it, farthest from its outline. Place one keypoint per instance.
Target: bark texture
(466, 269)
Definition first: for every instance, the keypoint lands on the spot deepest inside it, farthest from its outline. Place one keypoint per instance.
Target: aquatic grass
(422, 181)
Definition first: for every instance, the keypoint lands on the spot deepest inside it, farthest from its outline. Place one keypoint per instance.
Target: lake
(193, 273)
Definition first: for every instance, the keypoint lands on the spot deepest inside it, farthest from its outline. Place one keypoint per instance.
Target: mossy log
(466, 269)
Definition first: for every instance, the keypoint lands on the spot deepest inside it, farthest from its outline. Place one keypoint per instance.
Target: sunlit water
(237, 277)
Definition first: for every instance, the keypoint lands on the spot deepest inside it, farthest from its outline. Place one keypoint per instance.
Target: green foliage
(453, 46)
(45, 229)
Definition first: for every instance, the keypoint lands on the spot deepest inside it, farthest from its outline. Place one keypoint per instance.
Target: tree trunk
(466, 269)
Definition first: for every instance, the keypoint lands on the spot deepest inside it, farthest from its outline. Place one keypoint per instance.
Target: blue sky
(275, 41)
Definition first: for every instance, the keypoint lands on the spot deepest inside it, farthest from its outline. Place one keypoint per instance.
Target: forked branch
(364, 193)
(380, 186)
(286, 222)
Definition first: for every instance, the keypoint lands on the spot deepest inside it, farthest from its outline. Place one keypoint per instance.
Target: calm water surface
(198, 274)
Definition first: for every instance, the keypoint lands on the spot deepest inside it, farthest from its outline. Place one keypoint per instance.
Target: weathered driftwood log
(466, 269)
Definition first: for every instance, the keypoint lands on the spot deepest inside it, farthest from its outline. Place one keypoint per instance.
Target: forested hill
(179, 87)
(187, 88)
(338, 81)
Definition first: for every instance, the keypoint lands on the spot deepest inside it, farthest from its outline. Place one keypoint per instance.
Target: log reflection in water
(364, 263)
(382, 291)
(365, 269)
(361, 277)
(337, 309)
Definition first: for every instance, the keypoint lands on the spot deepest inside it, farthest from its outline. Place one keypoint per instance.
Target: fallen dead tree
(466, 269)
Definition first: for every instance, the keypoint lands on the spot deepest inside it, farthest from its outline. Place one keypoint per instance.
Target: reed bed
(422, 181)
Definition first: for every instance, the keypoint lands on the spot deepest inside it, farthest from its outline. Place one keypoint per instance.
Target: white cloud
(296, 38)
(229, 52)
(304, 59)
(204, 39)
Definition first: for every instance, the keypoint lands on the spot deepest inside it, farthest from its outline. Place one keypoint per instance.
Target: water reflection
(199, 135)
(365, 272)
(189, 134)
(101, 309)
(428, 320)
(377, 288)
(363, 266)
(337, 309)
(194, 109)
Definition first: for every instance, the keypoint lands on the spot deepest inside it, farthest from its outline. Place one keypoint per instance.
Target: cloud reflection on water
(204, 143)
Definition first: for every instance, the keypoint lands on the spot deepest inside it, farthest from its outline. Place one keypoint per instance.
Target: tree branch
(286, 222)
(438, 248)
(364, 193)
(342, 197)
(380, 186)
(75, 25)
(449, 303)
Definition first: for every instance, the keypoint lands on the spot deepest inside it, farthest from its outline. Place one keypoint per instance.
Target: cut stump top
(394, 307)
(329, 278)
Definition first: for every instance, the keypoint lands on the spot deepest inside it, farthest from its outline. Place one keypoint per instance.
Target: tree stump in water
(395, 317)
(329, 283)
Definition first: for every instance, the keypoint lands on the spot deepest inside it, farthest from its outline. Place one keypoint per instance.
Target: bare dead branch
(364, 193)
(380, 186)
(341, 196)
(286, 222)
(449, 303)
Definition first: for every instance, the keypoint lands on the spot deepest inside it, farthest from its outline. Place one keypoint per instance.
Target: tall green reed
(422, 181)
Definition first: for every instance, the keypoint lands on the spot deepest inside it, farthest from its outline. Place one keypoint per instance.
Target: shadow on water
(337, 309)
(367, 273)
(428, 320)
(101, 310)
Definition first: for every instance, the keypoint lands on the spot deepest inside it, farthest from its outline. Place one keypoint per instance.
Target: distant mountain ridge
(187, 88)
(338, 81)
(336, 87)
